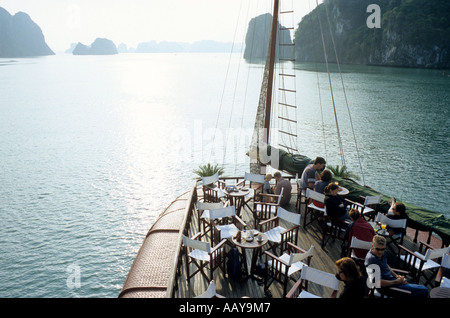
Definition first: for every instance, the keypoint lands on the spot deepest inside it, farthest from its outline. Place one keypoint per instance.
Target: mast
(271, 61)
(261, 131)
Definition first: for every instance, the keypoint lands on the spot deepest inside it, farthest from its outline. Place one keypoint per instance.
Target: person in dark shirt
(334, 204)
(283, 183)
(360, 229)
(319, 186)
(397, 211)
(349, 273)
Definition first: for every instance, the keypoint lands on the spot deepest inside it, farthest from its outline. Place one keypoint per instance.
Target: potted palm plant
(208, 170)
(342, 172)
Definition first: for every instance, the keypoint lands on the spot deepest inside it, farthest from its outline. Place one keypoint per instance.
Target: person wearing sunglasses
(377, 257)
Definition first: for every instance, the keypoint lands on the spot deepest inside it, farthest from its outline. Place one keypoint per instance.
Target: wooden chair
(371, 205)
(271, 198)
(255, 185)
(301, 195)
(263, 211)
(278, 235)
(395, 239)
(266, 208)
(424, 261)
(443, 272)
(374, 284)
(315, 276)
(202, 255)
(335, 229)
(213, 188)
(355, 205)
(281, 269)
(313, 210)
(225, 223)
(359, 245)
(210, 292)
(203, 209)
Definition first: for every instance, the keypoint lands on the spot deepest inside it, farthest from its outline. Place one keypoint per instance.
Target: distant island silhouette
(20, 36)
(98, 47)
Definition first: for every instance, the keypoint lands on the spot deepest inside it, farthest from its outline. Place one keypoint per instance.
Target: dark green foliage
(413, 33)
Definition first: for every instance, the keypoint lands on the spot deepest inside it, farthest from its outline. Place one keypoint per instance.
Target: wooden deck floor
(323, 259)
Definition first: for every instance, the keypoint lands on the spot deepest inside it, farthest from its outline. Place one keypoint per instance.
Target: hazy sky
(134, 21)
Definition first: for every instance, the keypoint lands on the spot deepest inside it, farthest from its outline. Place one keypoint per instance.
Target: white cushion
(227, 231)
(427, 265)
(274, 235)
(295, 267)
(305, 294)
(313, 206)
(200, 255)
(445, 282)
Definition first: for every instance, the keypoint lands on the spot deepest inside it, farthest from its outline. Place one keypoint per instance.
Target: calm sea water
(93, 148)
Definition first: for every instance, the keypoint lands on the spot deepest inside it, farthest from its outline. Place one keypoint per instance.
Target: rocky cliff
(98, 47)
(258, 37)
(20, 36)
(412, 33)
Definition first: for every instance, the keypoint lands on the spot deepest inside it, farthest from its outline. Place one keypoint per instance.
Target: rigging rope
(246, 89)
(345, 95)
(341, 150)
(318, 89)
(223, 92)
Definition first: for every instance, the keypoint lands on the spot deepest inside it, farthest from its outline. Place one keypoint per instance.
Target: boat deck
(323, 259)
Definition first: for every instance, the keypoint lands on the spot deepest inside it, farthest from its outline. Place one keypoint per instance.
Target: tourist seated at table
(355, 286)
(267, 188)
(334, 204)
(319, 186)
(359, 228)
(309, 175)
(397, 211)
(283, 183)
(377, 256)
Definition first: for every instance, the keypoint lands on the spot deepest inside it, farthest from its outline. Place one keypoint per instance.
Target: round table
(440, 292)
(255, 245)
(343, 190)
(236, 198)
